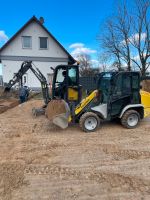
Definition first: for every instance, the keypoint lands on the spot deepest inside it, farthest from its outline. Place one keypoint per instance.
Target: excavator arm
(26, 65)
(18, 76)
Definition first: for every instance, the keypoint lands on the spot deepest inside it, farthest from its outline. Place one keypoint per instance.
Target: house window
(25, 79)
(43, 42)
(26, 42)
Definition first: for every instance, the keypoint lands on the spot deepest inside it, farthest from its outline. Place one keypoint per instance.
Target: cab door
(71, 92)
(73, 84)
(121, 93)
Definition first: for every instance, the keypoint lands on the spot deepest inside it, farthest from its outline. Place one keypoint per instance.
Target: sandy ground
(41, 162)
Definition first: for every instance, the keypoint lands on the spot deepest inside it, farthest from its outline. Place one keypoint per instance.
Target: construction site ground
(39, 161)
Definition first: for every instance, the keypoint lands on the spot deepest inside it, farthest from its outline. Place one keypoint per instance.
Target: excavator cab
(66, 84)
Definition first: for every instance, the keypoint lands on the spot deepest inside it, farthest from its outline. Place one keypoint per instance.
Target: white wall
(15, 49)
(11, 67)
(36, 31)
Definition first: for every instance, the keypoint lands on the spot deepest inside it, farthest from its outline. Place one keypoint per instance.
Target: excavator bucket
(145, 98)
(7, 89)
(58, 113)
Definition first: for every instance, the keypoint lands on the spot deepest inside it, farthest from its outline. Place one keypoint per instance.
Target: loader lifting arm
(26, 65)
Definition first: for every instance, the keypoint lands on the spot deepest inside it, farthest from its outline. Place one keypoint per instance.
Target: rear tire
(89, 122)
(130, 119)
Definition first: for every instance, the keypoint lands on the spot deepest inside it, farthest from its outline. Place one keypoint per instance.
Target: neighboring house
(1, 80)
(33, 42)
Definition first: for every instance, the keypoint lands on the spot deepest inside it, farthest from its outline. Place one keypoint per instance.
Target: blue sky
(70, 21)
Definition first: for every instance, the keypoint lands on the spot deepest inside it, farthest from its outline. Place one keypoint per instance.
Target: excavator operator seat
(66, 83)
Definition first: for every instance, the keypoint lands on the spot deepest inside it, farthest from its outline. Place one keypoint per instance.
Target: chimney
(41, 20)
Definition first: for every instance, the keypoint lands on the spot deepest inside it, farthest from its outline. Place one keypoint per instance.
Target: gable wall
(36, 31)
(13, 55)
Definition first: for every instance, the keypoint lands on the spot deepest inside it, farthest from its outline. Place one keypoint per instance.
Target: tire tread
(125, 117)
(84, 117)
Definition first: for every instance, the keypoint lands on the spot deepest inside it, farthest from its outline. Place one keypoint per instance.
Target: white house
(33, 42)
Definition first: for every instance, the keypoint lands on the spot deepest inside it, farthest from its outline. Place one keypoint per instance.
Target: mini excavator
(25, 66)
(117, 96)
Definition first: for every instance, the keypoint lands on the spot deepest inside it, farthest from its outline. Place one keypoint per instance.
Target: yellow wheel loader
(117, 96)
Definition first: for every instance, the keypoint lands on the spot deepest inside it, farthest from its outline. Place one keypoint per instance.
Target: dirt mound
(10, 99)
(146, 85)
(12, 93)
(6, 104)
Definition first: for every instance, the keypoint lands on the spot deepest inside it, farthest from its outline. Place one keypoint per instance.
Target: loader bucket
(145, 98)
(58, 113)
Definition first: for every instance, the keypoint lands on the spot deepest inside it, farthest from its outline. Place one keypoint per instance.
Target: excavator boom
(18, 77)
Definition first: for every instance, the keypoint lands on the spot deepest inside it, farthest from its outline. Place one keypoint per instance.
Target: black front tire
(89, 122)
(130, 119)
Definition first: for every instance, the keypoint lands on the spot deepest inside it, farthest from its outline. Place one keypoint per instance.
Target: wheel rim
(133, 120)
(90, 123)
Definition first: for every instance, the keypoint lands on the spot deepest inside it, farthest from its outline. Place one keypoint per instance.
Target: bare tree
(86, 67)
(115, 38)
(104, 59)
(140, 40)
(115, 65)
(126, 36)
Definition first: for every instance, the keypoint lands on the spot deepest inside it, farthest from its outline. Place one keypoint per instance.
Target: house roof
(34, 19)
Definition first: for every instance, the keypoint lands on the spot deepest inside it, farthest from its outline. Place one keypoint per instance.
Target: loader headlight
(97, 96)
(97, 93)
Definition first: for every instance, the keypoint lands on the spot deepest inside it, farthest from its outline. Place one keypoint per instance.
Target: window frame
(40, 43)
(23, 42)
(76, 78)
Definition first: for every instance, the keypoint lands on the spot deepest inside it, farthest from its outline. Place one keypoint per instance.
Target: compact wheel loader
(117, 97)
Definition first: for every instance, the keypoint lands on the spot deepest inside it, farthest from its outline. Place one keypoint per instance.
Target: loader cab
(118, 90)
(118, 98)
(66, 83)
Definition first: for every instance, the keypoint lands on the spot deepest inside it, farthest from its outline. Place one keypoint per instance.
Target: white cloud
(135, 37)
(95, 61)
(79, 48)
(76, 45)
(3, 36)
(137, 57)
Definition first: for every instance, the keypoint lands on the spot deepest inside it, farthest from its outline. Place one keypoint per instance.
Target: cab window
(59, 77)
(126, 84)
(72, 74)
